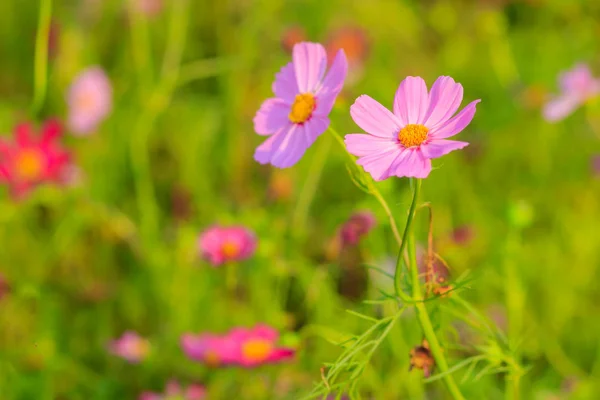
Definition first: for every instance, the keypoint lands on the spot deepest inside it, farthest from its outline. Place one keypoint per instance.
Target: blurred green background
(118, 251)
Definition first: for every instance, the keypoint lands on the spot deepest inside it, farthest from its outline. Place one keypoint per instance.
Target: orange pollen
(28, 165)
(230, 249)
(257, 350)
(302, 109)
(412, 135)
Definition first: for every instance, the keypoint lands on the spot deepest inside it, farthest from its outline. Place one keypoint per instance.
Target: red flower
(28, 161)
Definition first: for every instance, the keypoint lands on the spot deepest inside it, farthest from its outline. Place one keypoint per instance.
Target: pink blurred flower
(221, 244)
(149, 8)
(130, 346)
(358, 225)
(595, 165)
(241, 346)
(403, 143)
(212, 350)
(90, 100)
(173, 390)
(291, 36)
(29, 161)
(463, 234)
(4, 286)
(299, 112)
(577, 85)
(354, 41)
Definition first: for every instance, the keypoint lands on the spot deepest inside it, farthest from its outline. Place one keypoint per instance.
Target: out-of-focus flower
(181, 203)
(403, 143)
(28, 161)
(357, 226)
(355, 43)
(292, 36)
(130, 346)
(421, 358)
(72, 176)
(149, 8)
(281, 185)
(298, 115)
(212, 350)
(53, 39)
(576, 85)
(221, 244)
(4, 287)
(89, 99)
(174, 391)
(463, 235)
(241, 346)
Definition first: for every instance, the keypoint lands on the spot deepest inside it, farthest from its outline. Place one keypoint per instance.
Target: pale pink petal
(271, 117)
(310, 61)
(456, 124)
(334, 80)
(378, 164)
(444, 99)
(413, 164)
(437, 148)
(264, 152)
(411, 100)
(560, 107)
(291, 148)
(324, 103)
(314, 127)
(363, 145)
(374, 118)
(285, 86)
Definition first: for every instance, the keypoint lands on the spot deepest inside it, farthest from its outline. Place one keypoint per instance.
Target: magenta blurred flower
(358, 225)
(463, 234)
(595, 164)
(403, 143)
(149, 8)
(299, 112)
(29, 161)
(221, 244)
(576, 85)
(4, 286)
(212, 350)
(130, 346)
(174, 391)
(241, 346)
(90, 100)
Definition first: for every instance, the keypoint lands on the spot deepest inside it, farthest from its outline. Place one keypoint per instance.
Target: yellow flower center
(302, 109)
(230, 249)
(28, 165)
(257, 350)
(413, 135)
(86, 101)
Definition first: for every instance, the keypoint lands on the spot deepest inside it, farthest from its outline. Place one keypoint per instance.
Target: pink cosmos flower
(241, 346)
(29, 161)
(577, 85)
(403, 143)
(173, 390)
(90, 100)
(221, 244)
(258, 346)
(212, 350)
(299, 112)
(358, 225)
(130, 346)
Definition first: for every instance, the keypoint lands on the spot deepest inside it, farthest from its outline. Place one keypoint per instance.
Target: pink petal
(334, 80)
(411, 100)
(264, 152)
(292, 148)
(456, 124)
(285, 86)
(324, 103)
(24, 135)
(444, 99)
(413, 164)
(437, 148)
(310, 61)
(560, 107)
(363, 145)
(374, 118)
(272, 116)
(314, 127)
(378, 164)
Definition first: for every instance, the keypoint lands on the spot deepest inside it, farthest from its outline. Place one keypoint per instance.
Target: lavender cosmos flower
(577, 85)
(90, 100)
(299, 112)
(131, 346)
(221, 244)
(403, 143)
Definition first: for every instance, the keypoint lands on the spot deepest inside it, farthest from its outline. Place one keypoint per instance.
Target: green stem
(417, 294)
(407, 229)
(41, 56)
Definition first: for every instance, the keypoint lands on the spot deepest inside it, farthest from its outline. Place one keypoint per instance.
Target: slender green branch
(407, 229)
(41, 56)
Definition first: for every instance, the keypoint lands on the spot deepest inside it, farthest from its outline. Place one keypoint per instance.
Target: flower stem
(41, 56)
(417, 295)
(407, 230)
